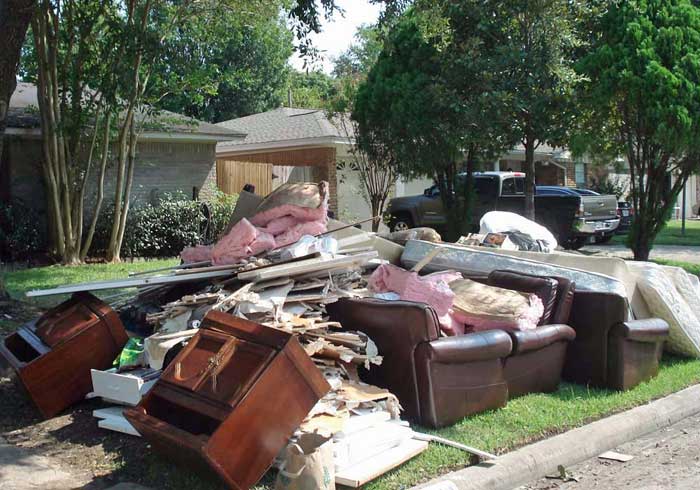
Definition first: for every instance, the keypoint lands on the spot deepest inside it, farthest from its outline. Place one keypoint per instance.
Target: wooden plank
(441, 440)
(305, 267)
(365, 471)
(133, 282)
(174, 267)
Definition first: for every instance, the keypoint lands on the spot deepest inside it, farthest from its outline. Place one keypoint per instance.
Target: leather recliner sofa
(611, 351)
(440, 380)
(537, 359)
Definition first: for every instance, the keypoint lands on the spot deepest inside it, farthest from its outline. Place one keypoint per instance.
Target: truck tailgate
(599, 207)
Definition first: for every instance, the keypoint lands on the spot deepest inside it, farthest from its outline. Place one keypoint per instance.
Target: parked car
(595, 204)
(626, 214)
(570, 217)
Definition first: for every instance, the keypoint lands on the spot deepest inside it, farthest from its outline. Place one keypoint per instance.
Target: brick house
(178, 156)
(553, 166)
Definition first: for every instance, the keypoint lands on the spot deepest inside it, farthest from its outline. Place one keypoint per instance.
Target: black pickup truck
(570, 217)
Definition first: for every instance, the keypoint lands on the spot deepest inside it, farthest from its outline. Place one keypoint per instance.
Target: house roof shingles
(283, 125)
(23, 113)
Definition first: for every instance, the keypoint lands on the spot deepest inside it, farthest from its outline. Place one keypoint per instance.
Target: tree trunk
(529, 178)
(468, 193)
(376, 209)
(15, 16)
(640, 239)
(3, 292)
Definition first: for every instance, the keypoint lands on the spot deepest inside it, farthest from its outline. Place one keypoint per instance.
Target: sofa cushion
(544, 287)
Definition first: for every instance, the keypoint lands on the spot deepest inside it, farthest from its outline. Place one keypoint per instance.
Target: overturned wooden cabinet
(231, 399)
(54, 354)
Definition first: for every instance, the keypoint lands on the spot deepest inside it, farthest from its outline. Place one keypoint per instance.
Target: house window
(580, 174)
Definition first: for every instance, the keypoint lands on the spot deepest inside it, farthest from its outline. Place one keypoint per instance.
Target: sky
(337, 35)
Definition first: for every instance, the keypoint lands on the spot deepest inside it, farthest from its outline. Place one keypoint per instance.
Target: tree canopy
(643, 97)
(224, 67)
(526, 51)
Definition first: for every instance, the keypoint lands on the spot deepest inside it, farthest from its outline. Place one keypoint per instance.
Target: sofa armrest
(477, 346)
(647, 330)
(531, 340)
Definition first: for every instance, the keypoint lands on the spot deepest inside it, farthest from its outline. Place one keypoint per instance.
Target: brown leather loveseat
(440, 380)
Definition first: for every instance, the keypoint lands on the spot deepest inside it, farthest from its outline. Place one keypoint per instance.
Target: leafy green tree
(312, 90)
(377, 171)
(405, 115)
(222, 68)
(433, 102)
(529, 47)
(643, 97)
(356, 61)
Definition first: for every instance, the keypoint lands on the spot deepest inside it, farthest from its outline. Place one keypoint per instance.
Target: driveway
(667, 252)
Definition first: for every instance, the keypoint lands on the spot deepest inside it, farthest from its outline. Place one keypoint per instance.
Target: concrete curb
(542, 458)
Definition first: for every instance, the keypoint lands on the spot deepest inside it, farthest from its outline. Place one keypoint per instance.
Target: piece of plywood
(622, 458)
(388, 250)
(113, 419)
(133, 282)
(305, 267)
(358, 475)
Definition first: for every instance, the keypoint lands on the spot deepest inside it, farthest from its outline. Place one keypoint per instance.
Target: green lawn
(20, 281)
(689, 267)
(671, 234)
(522, 421)
(535, 417)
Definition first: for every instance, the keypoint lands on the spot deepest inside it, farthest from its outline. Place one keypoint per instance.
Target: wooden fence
(231, 176)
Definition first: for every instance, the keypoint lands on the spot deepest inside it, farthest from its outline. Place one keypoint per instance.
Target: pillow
(488, 307)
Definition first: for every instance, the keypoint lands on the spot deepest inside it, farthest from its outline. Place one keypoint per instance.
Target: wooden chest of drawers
(54, 354)
(231, 399)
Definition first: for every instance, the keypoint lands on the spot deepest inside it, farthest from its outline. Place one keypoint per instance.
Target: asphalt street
(666, 459)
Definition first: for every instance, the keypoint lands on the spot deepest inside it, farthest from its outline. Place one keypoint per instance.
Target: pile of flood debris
(231, 359)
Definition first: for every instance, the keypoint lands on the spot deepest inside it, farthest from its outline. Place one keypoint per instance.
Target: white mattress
(672, 295)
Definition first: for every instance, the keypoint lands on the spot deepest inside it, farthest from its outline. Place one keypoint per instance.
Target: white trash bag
(503, 222)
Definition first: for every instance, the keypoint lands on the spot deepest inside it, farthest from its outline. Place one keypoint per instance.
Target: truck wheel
(603, 239)
(400, 222)
(574, 243)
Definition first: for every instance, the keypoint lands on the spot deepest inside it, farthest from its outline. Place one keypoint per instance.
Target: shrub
(20, 232)
(222, 206)
(610, 186)
(164, 229)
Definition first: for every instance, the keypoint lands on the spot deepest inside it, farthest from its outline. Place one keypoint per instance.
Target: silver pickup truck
(572, 218)
(599, 217)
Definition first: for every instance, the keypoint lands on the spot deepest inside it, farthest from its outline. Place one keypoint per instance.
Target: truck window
(520, 185)
(508, 188)
(486, 186)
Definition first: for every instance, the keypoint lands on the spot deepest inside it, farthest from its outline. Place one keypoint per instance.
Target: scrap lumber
(458, 445)
(134, 282)
(305, 267)
(365, 471)
(171, 268)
